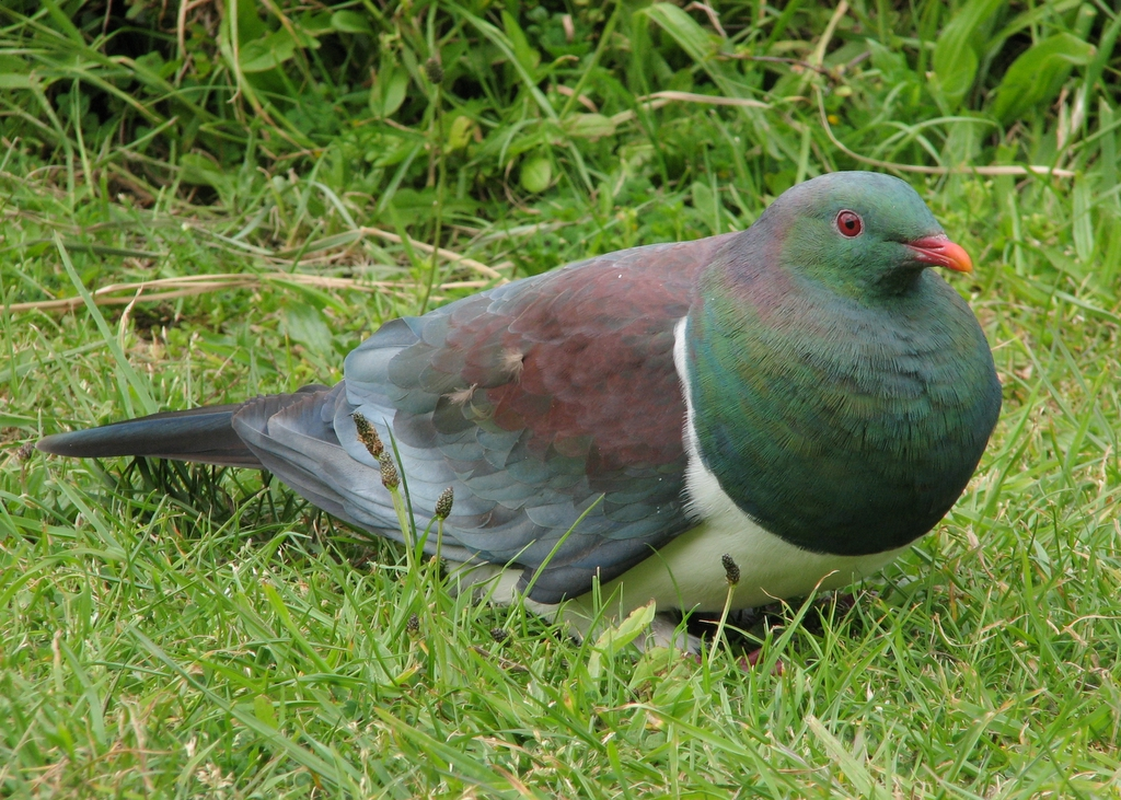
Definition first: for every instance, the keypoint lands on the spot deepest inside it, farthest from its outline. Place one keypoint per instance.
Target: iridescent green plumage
(842, 392)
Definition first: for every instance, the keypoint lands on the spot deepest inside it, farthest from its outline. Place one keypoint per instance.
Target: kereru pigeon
(804, 396)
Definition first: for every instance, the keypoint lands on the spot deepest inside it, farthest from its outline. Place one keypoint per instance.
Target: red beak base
(939, 251)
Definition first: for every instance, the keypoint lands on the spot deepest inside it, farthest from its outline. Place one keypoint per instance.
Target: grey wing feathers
(448, 393)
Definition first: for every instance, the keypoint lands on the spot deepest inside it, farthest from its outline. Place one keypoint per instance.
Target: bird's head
(861, 234)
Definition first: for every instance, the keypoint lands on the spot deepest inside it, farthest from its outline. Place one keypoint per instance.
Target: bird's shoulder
(585, 350)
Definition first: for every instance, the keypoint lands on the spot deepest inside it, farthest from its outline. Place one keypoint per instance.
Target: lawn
(200, 202)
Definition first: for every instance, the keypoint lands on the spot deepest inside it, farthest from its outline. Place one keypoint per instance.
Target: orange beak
(939, 251)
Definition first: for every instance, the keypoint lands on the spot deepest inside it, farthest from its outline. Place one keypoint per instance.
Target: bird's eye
(850, 224)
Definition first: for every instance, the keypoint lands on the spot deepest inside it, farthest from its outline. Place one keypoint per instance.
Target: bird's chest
(838, 449)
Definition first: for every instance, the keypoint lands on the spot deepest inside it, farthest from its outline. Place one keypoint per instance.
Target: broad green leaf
(1037, 75)
(612, 640)
(10, 65)
(318, 23)
(264, 712)
(461, 132)
(15, 81)
(691, 37)
(261, 55)
(200, 170)
(589, 126)
(350, 22)
(955, 59)
(536, 174)
(250, 25)
(706, 202)
(306, 325)
(526, 55)
(388, 92)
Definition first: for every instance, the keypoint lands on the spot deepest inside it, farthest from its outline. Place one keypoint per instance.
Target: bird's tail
(204, 435)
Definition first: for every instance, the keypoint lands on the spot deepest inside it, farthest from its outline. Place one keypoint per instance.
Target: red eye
(850, 224)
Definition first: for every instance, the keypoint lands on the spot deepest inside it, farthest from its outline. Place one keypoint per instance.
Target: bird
(710, 424)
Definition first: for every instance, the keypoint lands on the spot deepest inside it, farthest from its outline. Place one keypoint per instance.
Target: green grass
(175, 631)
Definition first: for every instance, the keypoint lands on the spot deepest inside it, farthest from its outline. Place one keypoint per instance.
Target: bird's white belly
(689, 574)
